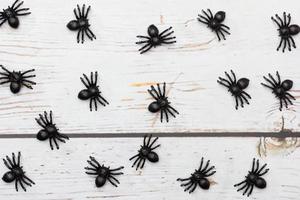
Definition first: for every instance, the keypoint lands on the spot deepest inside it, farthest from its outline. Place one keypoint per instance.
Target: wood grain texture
(61, 175)
(190, 67)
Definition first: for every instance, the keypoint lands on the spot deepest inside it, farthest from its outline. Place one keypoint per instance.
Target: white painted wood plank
(193, 64)
(60, 174)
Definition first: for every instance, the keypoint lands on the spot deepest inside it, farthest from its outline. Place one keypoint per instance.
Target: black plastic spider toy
(236, 88)
(49, 130)
(16, 79)
(215, 22)
(81, 24)
(92, 92)
(161, 103)
(253, 179)
(103, 173)
(286, 31)
(11, 14)
(146, 153)
(280, 89)
(155, 38)
(199, 177)
(16, 172)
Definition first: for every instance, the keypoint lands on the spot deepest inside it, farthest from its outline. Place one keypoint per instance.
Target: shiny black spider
(49, 130)
(16, 79)
(215, 22)
(199, 177)
(146, 153)
(92, 92)
(16, 172)
(253, 179)
(236, 88)
(11, 14)
(161, 103)
(286, 31)
(155, 38)
(103, 173)
(81, 24)
(280, 89)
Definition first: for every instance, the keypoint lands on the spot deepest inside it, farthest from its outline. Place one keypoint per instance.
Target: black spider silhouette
(155, 38)
(161, 103)
(11, 14)
(280, 89)
(215, 22)
(286, 31)
(253, 179)
(103, 173)
(92, 92)
(16, 79)
(146, 153)
(199, 177)
(49, 130)
(81, 24)
(16, 172)
(236, 88)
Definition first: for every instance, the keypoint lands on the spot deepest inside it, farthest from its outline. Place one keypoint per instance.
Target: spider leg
(289, 44)
(222, 34)
(16, 185)
(245, 93)
(159, 91)
(153, 142)
(164, 89)
(245, 99)
(150, 92)
(161, 116)
(91, 173)
(31, 76)
(22, 185)
(144, 141)
(238, 184)
(222, 29)
(136, 160)
(183, 179)
(50, 142)
(78, 35)
(201, 18)
(145, 46)
(146, 49)
(266, 171)
(155, 91)
(170, 38)
(75, 13)
(169, 111)
(284, 18)
(134, 156)
(167, 116)
(218, 36)
(22, 14)
(169, 106)
(79, 11)
(250, 191)
(257, 166)
(14, 159)
(83, 10)
(193, 188)
(285, 102)
(161, 34)
(99, 98)
(28, 179)
(63, 136)
(116, 169)
(14, 7)
(223, 26)
(40, 123)
(281, 22)
(91, 169)
(149, 139)
(91, 32)
(87, 79)
(281, 40)
(4, 20)
(291, 103)
(210, 174)
(108, 178)
(208, 170)
(7, 165)
(138, 164)
(236, 103)
(205, 13)
(28, 86)
(267, 86)
(284, 45)
(155, 147)
(280, 108)
(28, 81)
(95, 103)
(25, 181)
(95, 165)
(59, 139)
(112, 177)
(204, 22)
(261, 168)
(241, 100)
(276, 22)
(6, 70)
(171, 42)
(189, 187)
(144, 37)
(82, 36)
(142, 42)
(288, 19)
(84, 83)
(206, 166)
(4, 82)
(269, 81)
(247, 188)
(291, 96)
(87, 12)
(164, 36)
(293, 42)
(246, 185)
(42, 119)
(201, 164)
(46, 117)
(143, 163)
(230, 79)
(223, 83)
(22, 9)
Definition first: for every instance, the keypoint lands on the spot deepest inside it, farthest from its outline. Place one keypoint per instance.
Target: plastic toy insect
(92, 91)
(161, 103)
(103, 173)
(286, 31)
(236, 88)
(199, 177)
(12, 13)
(17, 79)
(280, 89)
(81, 24)
(214, 22)
(254, 178)
(155, 38)
(16, 172)
(49, 131)
(146, 152)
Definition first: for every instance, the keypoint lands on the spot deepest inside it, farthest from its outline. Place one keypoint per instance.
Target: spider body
(17, 79)
(92, 91)
(16, 172)
(81, 24)
(199, 177)
(253, 179)
(161, 103)
(103, 173)
(146, 153)
(12, 13)
(280, 89)
(215, 22)
(49, 131)
(236, 88)
(286, 31)
(155, 38)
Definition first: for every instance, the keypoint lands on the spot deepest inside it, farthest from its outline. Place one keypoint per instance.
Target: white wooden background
(190, 67)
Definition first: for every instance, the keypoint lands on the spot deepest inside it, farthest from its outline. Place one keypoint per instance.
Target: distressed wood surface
(190, 67)
(61, 175)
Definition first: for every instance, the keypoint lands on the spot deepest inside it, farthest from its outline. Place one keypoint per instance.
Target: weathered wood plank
(60, 174)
